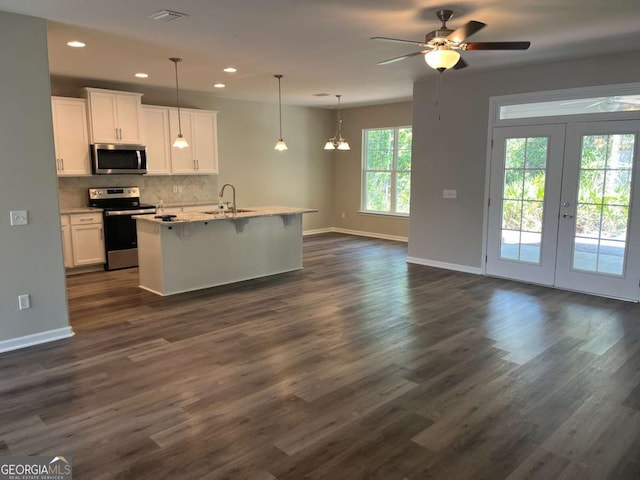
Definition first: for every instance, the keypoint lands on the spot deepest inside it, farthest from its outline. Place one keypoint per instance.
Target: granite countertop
(249, 212)
(71, 210)
(191, 204)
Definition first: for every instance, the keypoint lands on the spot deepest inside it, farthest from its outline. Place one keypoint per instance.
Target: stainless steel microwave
(111, 159)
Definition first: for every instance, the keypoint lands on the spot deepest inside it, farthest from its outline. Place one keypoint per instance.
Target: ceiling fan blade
(397, 59)
(496, 46)
(386, 39)
(461, 64)
(465, 31)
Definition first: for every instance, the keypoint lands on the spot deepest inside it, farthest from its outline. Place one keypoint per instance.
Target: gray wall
(450, 153)
(247, 132)
(347, 168)
(31, 256)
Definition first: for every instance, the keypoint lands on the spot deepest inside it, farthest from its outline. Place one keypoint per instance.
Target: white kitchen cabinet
(199, 128)
(70, 136)
(87, 239)
(156, 137)
(114, 117)
(67, 249)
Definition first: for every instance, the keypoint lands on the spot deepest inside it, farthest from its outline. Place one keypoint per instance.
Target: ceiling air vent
(167, 16)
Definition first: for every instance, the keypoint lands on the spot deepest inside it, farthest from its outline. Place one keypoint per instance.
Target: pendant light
(337, 142)
(180, 142)
(280, 145)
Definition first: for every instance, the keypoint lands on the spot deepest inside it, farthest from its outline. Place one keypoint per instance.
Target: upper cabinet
(157, 139)
(114, 117)
(70, 136)
(199, 128)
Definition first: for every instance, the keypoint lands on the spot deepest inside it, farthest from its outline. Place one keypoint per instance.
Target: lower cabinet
(67, 250)
(83, 239)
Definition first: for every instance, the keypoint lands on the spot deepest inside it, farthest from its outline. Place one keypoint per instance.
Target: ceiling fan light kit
(337, 142)
(442, 60)
(441, 47)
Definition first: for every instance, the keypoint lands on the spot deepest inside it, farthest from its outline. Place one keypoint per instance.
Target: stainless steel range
(119, 205)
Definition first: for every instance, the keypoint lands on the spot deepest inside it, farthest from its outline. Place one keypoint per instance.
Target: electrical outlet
(343, 215)
(24, 302)
(175, 189)
(449, 193)
(19, 217)
(180, 188)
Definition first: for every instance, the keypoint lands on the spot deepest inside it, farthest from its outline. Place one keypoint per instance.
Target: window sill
(383, 214)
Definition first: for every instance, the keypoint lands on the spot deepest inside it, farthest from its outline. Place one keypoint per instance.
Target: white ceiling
(320, 46)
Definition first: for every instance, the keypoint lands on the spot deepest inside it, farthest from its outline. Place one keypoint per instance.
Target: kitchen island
(198, 250)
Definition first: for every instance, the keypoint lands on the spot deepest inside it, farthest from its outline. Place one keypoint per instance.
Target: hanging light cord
(280, 103)
(175, 61)
(339, 121)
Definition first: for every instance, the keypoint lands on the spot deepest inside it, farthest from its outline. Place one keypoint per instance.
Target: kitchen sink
(240, 210)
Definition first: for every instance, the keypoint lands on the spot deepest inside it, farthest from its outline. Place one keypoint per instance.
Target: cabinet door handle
(62, 163)
(194, 164)
(101, 235)
(86, 219)
(58, 164)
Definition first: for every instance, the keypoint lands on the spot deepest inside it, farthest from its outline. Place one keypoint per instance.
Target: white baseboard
(359, 233)
(35, 339)
(445, 265)
(317, 231)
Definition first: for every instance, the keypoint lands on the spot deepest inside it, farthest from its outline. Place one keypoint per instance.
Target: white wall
(31, 256)
(450, 153)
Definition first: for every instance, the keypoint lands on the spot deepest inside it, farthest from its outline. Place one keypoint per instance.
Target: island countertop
(207, 216)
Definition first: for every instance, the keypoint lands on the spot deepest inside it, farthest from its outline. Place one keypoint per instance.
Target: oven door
(121, 239)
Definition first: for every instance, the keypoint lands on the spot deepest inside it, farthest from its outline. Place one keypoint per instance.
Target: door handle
(566, 215)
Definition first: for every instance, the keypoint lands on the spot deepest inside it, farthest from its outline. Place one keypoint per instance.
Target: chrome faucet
(233, 189)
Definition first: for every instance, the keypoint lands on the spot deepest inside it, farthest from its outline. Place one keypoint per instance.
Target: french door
(565, 207)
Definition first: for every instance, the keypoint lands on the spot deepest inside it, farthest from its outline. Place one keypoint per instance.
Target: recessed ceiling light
(219, 85)
(142, 75)
(76, 44)
(230, 70)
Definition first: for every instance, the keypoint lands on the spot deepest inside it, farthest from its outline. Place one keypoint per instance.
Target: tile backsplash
(195, 188)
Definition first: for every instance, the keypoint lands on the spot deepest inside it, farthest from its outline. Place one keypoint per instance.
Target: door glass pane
(524, 179)
(604, 195)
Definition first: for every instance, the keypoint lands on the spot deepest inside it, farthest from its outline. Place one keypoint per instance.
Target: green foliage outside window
(604, 190)
(387, 170)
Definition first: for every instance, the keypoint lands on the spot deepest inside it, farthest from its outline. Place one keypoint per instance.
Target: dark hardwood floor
(358, 366)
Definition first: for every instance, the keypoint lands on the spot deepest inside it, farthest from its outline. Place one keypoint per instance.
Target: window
(386, 170)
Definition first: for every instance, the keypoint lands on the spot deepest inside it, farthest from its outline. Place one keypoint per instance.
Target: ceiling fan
(441, 46)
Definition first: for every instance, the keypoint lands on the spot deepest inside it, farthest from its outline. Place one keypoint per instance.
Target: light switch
(449, 193)
(19, 217)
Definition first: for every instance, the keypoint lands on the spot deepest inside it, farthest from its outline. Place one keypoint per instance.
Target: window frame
(394, 173)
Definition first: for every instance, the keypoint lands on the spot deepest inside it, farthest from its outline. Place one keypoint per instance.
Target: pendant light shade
(180, 141)
(280, 145)
(337, 142)
(442, 59)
